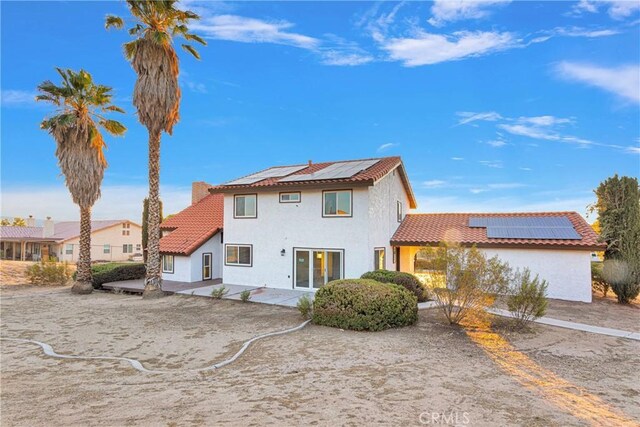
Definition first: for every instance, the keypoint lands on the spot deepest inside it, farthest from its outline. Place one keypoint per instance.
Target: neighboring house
(111, 240)
(299, 227)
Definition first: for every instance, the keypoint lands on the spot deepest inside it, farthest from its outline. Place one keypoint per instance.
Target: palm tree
(156, 96)
(75, 127)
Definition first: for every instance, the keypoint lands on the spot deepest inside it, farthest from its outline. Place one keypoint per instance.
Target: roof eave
(505, 245)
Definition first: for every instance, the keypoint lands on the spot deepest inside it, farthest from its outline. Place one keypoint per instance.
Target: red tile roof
(193, 226)
(431, 229)
(366, 177)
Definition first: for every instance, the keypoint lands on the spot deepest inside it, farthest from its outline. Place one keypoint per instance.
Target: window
(399, 211)
(127, 248)
(138, 247)
(245, 206)
(167, 264)
(125, 232)
(126, 225)
(68, 249)
(238, 255)
(378, 259)
(106, 249)
(336, 203)
(290, 197)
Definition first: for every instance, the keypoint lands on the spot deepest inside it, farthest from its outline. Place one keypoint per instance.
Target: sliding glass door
(314, 268)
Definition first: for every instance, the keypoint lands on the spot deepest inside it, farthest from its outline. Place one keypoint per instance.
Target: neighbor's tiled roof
(66, 230)
(365, 177)
(193, 226)
(431, 229)
(21, 233)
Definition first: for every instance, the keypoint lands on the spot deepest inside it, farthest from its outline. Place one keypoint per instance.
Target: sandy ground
(12, 272)
(317, 376)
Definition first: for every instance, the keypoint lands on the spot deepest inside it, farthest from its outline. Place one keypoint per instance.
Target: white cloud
(17, 97)
(495, 164)
(117, 201)
(434, 183)
(426, 48)
(468, 117)
(617, 9)
(342, 57)
(457, 158)
(544, 120)
(250, 30)
(385, 147)
(623, 81)
(583, 32)
(455, 10)
(497, 143)
(529, 131)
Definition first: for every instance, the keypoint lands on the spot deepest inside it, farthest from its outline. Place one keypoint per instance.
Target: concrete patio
(282, 297)
(169, 286)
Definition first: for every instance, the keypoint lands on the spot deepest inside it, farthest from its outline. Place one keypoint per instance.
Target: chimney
(310, 163)
(199, 190)
(31, 221)
(48, 229)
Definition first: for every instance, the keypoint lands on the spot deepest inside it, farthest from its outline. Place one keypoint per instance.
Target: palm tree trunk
(153, 281)
(83, 283)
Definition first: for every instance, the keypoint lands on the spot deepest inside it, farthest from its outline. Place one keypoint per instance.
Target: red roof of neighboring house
(193, 226)
(366, 177)
(431, 229)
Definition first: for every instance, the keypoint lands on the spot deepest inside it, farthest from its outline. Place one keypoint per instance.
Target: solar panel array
(275, 172)
(527, 227)
(334, 171)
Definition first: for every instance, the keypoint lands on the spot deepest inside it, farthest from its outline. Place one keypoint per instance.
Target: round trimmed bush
(406, 280)
(361, 304)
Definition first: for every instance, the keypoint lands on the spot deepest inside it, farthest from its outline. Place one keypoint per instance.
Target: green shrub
(361, 304)
(48, 273)
(406, 280)
(114, 272)
(305, 306)
(598, 284)
(245, 295)
(218, 293)
(527, 297)
(619, 275)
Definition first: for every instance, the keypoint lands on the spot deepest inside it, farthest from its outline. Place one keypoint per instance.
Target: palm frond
(114, 127)
(113, 21)
(191, 50)
(114, 108)
(196, 38)
(130, 49)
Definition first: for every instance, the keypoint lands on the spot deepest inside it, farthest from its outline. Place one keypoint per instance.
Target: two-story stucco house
(302, 226)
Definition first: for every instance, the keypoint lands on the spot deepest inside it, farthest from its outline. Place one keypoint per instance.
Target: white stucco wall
(189, 268)
(296, 225)
(107, 236)
(568, 272)
(383, 219)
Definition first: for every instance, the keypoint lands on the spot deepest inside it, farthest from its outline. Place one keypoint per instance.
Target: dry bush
(49, 273)
(526, 297)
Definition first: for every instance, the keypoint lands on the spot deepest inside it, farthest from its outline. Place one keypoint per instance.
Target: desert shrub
(361, 304)
(619, 275)
(305, 306)
(526, 297)
(598, 284)
(218, 293)
(406, 280)
(106, 273)
(245, 295)
(472, 281)
(48, 273)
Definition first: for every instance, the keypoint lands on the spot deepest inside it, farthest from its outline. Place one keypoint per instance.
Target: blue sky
(494, 105)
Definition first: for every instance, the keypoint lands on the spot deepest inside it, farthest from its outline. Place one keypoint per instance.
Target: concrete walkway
(282, 297)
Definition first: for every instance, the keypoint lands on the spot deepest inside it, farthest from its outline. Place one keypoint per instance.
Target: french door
(314, 268)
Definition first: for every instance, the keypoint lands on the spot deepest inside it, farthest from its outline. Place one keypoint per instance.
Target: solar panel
(527, 227)
(334, 171)
(274, 172)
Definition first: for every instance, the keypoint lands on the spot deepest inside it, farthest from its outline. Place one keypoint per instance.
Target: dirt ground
(316, 376)
(12, 272)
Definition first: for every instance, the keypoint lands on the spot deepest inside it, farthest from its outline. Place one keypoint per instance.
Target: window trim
(336, 215)
(290, 201)
(106, 249)
(250, 246)
(399, 211)
(127, 251)
(302, 248)
(375, 258)
(68, 251)
(235, 196)
(173, 264)
(210, 254)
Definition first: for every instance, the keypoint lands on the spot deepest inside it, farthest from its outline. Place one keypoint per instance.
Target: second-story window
(245, 206)
(336, 203)
(399, 211)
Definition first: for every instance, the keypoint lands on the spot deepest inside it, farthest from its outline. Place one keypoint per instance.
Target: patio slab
(262, 295)
(169, 286)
